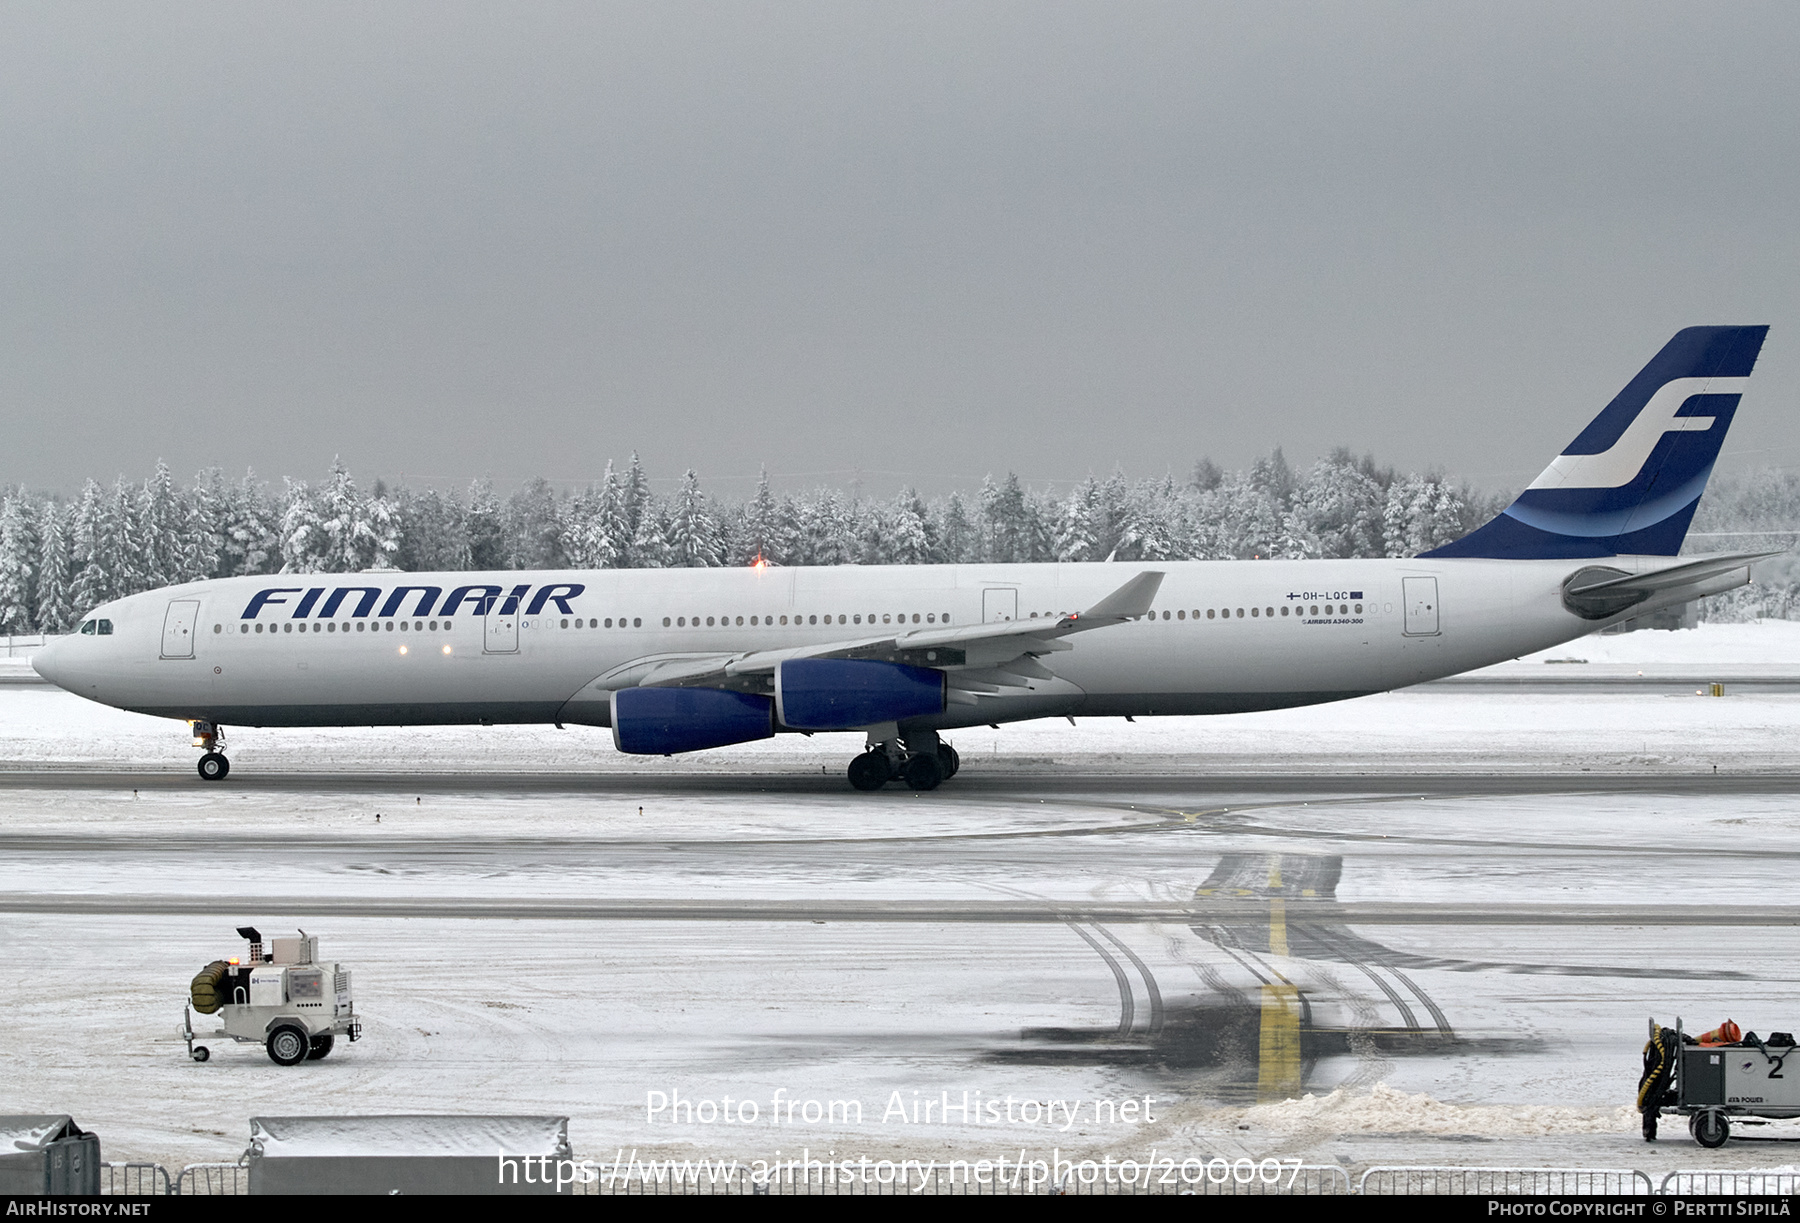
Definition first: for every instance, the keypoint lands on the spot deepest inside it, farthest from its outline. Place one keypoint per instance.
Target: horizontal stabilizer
(1694, 571)
(1602, 591)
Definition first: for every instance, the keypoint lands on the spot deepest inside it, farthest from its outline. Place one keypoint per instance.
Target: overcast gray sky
(917, 241)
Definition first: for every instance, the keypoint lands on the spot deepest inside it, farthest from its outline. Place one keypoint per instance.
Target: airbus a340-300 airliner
(680, 660)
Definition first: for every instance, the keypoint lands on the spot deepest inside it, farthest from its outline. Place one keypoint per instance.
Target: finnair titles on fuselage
(681, 660)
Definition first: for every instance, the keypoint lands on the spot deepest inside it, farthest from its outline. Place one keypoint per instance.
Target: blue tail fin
(1629, 484)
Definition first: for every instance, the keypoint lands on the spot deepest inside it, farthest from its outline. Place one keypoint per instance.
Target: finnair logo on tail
(1619, 465)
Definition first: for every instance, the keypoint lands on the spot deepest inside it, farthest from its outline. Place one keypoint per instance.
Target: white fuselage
(1223, 637)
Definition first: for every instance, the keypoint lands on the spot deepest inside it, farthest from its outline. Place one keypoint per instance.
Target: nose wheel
(213, 766)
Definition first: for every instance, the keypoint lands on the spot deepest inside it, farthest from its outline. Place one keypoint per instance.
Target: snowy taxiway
(1443, 915)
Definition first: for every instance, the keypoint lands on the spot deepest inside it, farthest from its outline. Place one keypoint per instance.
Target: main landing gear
(213, 765)
(920, 760)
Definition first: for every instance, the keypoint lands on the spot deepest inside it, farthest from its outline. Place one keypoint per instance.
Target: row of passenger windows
(331, 626)
(421, 626)
(770, 621)
(1226, 613)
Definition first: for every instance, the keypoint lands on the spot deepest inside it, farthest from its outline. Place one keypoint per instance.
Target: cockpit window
(87, 628)
(105, 628)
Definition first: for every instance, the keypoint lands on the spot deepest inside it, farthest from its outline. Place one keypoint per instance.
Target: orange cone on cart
(1726, 1033)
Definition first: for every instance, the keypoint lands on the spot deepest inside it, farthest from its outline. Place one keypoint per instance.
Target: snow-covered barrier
(48, 1155)
(406, 1154)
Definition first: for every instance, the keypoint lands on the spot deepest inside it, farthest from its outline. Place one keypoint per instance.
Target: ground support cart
(288, 1001)
(1713, 1085)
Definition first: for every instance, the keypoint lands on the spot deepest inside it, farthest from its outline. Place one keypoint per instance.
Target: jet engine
(845, 693)
(664, 721)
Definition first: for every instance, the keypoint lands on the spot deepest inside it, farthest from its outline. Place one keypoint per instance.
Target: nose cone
(52, 662)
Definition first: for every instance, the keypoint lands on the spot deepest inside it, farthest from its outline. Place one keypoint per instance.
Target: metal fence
(134, 1180)
(1730, 1184)
(213, 1180)
(1217, 1177)
(24, 646)
(1505, 1182)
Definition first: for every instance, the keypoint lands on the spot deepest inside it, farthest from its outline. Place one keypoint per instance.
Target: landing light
(446, 649)
(403, 649)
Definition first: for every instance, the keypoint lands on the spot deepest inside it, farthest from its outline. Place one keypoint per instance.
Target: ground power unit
(1714, 1080)
(287, 1000)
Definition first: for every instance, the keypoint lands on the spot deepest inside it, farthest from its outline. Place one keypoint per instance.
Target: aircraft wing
(978, 659)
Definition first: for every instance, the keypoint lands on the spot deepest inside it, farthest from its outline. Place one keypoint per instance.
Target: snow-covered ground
(121, 874)
(1766, 642)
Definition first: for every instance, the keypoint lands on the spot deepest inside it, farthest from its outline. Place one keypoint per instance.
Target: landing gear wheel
(923, 772)
(288, 1045)
(201, 1053)
(214, 767)
(869, 771)
(321, 1045)
(948, 760)
(1711, 1129)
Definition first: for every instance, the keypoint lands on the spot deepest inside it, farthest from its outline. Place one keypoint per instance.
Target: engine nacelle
(664, 721)
(845, 693)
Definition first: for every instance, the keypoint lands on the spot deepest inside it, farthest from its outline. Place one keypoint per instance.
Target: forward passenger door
(178, 628)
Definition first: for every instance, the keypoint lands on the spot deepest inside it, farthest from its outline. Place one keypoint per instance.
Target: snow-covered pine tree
(433, 536)
(55, 611)
(692, 537)
(609, 531)
(252, 541)
(959, 542)
(162, 539)
(18, 565)
(533, 520)
(1336, 511)
(203, 542)
(122, 537)
(762, 524)
(638, 504)
(487, 535)
(909, 539)
(91, 566)
(305, 541)
(1075, 528)
(650, 545)
(1420, 513)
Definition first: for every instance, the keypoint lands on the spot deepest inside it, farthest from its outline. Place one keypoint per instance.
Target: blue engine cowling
(845, 693)
(663, 721)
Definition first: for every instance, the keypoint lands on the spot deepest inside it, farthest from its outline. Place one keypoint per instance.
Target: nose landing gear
(213, 765)
(920, 760)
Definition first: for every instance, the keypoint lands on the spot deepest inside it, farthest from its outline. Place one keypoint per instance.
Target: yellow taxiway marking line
(1278, 1045)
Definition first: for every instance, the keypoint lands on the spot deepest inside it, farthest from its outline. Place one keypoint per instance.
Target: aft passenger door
(178, 628)
(1421, 600)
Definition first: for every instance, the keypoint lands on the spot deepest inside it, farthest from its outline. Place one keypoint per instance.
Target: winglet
(1128, 602)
